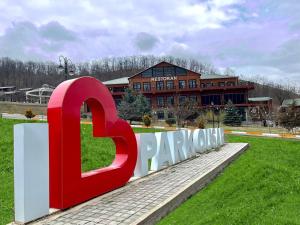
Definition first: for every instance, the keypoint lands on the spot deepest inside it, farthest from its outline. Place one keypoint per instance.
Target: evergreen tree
(133, 106)
(232, 116)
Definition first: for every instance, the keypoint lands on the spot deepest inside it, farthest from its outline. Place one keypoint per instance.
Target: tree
(133, 106)
(232, 116)
(187, 110)
(289, 117)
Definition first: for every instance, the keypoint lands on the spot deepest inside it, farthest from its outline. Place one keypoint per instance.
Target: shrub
(201, 122)
(29, 114)
(170, 121)
(147, 120)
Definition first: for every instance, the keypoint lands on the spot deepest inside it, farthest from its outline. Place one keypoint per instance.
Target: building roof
(259, 99)
(122, 80)
(214, 76)
(288, 102)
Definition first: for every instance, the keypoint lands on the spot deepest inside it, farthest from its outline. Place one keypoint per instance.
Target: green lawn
(96, 153)
(261, 187)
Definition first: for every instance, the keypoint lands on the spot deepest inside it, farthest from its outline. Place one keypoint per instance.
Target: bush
(147, 120)
(29, 114)
(201, 122)
(170, 121)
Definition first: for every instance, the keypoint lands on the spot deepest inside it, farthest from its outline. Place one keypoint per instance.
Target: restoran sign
(50, 154)
(163, 78)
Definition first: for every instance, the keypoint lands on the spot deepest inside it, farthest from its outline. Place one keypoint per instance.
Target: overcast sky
(253, 37)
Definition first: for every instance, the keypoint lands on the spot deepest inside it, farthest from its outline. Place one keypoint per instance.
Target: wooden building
(166, 85)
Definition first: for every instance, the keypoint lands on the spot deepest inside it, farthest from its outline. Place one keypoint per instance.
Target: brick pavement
(146, 200)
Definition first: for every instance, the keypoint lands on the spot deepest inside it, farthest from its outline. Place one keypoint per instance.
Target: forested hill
(34, 74)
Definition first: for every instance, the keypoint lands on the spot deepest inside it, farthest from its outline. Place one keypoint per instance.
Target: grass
(96, 153)
(261, 187)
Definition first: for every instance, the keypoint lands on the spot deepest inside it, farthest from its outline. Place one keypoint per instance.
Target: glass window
(169, 71)
(160, 101)
(181, 84)
(146, 86)
(158, 72)
(159, 85)
(147, 73)
(160, 115)
(203, 85)
(230, 83)
(149, 101)
(208, 99)
(193, 98)
(180, 71)
(192, 84)
(170, 100)
(221, 84)
(137, 86)
(170, 84)
(238, 98)
(182, 99)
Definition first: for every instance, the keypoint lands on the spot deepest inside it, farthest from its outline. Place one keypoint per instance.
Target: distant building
(289, 102)
(167, 85)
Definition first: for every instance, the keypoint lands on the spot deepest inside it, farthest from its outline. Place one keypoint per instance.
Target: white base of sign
(31, 171)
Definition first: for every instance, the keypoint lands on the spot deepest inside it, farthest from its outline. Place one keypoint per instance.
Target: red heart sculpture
(68, 186)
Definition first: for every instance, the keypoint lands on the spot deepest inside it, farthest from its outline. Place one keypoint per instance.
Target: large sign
(168, 148)
(68, 185)
(58, 144)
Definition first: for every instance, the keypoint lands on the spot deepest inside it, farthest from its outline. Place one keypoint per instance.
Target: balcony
(239, 85)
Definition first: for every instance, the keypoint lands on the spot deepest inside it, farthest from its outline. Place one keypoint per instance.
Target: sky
(255, 37)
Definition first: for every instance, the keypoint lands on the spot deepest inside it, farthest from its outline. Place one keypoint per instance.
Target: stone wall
(17, 107)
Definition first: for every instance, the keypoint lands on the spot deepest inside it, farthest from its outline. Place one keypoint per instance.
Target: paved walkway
(146, 200)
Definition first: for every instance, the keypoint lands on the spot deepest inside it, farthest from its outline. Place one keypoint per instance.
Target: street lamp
(213, 113)
(66, 65)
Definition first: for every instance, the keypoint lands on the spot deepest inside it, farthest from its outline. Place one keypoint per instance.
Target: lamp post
(213, 113)
(66, 65)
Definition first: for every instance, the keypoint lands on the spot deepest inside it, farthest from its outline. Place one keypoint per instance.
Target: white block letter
(146, 150)
(163, 155)
(31, 171)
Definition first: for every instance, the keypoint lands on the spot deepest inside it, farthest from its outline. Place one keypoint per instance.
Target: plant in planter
(29, 114)
(147, 120)
(170, 121)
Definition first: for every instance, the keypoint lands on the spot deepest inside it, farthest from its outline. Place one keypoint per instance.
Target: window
(192, 84)
(147, 73)
(146, 86)
(180, 71)
(193, 98)
(230, 83)
(208, 99)
(238, 98)
(160, 115)
(159, 85)
(181, 84)
(170, 100)
(208, 84)
(117, 101)
(169, 71)
(137, 86)
(158, 72)
(160, 101)
(203, 85)
(170, 84)
(221, 84)
(149, 101)
(171, 115)
(182, 99)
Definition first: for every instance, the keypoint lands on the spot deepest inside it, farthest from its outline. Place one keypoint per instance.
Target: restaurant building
(166, 85)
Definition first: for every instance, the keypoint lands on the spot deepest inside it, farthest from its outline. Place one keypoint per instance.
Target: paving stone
(141, 197)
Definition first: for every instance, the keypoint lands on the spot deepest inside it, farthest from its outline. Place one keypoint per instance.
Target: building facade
(166, 85)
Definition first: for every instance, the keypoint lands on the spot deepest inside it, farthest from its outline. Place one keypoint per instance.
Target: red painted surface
(68, 185)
